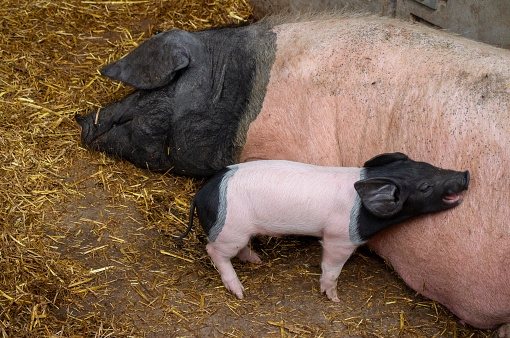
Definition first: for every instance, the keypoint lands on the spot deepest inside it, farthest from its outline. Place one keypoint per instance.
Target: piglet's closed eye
(381, 196)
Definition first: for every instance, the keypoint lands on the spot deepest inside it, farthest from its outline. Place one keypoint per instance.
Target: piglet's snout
(454, 186)
(466, 180)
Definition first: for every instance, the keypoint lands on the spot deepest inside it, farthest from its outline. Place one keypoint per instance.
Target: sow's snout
(95, 127)
(91, 131)
(84, 126)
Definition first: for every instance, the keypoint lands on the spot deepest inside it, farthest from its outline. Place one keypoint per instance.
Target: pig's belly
(342, 105)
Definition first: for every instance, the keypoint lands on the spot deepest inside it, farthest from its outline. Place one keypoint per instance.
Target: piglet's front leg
(334, 256)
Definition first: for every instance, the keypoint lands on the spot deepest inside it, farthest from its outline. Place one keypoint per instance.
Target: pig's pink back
(282, 198)
(343, 91)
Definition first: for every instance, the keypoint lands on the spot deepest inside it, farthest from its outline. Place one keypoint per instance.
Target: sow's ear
(385, 159)
(155, 62)
(381, 196)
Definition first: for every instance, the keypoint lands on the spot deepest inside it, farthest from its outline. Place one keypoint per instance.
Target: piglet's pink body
(343, 206)
(279, 199)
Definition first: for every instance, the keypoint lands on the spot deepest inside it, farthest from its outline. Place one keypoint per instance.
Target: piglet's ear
(381, 196)
(385, 159)
(155, 62)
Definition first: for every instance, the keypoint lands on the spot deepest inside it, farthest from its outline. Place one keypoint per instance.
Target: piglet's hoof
(235, 287)
(331, 293)
(333, 298)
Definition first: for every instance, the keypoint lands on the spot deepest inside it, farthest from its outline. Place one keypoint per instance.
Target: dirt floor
(85, 240)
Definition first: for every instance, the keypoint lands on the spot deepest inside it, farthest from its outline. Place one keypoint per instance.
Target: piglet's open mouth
(454, 198)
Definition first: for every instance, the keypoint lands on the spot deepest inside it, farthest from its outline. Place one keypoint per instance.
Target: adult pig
(334, 92)
(343, 206)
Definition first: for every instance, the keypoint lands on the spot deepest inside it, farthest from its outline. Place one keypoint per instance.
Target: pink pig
(343, 206)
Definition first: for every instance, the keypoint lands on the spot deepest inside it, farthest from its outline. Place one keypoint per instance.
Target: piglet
(343, 206)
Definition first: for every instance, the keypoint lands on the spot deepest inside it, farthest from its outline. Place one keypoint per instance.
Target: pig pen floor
(85, 239)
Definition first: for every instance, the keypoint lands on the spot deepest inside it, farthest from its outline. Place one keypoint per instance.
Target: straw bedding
(85, 247)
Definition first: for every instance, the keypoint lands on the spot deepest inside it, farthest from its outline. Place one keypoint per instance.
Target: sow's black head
(192, 93)
(396, 188)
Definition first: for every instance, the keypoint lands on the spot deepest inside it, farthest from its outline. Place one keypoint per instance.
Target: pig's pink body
(275, 198)
(344, 90)
(278, 198)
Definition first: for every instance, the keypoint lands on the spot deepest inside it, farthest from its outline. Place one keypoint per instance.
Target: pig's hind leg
(221, 253)
(333, 259)
(248, 255)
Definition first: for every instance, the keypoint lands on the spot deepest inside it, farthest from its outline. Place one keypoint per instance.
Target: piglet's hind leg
(248, 255)
(228, 275)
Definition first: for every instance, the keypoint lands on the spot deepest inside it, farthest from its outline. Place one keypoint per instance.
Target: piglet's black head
(397, 188)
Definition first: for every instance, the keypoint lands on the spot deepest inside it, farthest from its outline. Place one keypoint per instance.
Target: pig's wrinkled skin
(334, 92)
(343, 206)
